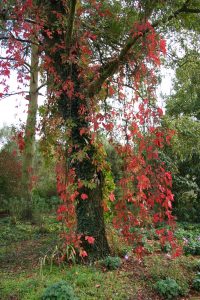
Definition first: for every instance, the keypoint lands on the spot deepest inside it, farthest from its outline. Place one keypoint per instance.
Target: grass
(88, 283)
(25, 276)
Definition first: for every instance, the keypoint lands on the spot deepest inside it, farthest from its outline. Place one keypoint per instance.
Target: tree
(186, 95)
(10, 169)
(29, 136)
(19, 49)
(91, 51)
(182, 159)
(10, 184)
(182, 114)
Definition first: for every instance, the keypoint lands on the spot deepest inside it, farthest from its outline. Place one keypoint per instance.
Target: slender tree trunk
(28, 153)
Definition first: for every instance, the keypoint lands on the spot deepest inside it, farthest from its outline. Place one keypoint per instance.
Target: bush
(10, 178)
(111, 263)
(168, 288)
(196, 266)
(59, 291)
(193, 248)
(196, 282)
(166, 248)
(45, 204)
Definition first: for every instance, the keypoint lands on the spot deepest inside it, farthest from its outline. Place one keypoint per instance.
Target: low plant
(166, 248)
(192, 247)
(162, 267)
(117, 244)
(196, 282)
(196, 266)
(149, 247)
(190, 265)
(111, 262)
(168, 288)
(59, 291)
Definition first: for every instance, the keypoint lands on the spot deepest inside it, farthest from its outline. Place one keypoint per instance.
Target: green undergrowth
(25, 274)
(87, 282)
(22, 244)
(182, 270)
(20, 231)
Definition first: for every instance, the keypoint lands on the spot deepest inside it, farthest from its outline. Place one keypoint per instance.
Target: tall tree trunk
(29, 139)
(90, 215)
(90, 220)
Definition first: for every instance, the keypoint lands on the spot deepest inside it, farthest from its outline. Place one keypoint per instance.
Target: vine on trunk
(85, 98)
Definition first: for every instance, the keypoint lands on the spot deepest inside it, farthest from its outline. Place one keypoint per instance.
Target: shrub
(196, 282)
(166, 248)
(196, 266)
(116, 242)
(59, 291)
(193, 247)
(190, 265)
(111, 262)
(10, 179)
(168, 288)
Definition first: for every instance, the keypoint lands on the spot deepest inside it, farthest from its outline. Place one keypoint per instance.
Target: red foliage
(90, 239)
(133, 124)
(84, 196)
(20, 141)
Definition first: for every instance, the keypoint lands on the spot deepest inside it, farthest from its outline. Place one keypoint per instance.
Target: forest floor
(26, 268)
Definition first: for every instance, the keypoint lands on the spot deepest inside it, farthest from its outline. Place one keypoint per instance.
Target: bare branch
(13, 94)
(3, 96)
(25, 64)
(41, 86)
(16, 39)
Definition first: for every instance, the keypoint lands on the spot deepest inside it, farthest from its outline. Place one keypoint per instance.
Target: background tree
(29, 136)
(182, 114)
(19, 51)
(10, 171)
(186, 95)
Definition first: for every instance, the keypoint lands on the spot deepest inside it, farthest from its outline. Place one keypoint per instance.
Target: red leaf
(112, 197)
(90, 239)
(84, 196)
(61, 209)
(83, 253)
(82, 130)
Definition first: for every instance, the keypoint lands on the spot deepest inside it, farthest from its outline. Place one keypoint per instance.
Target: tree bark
(29, 139)
(90, 221)
(89, 213)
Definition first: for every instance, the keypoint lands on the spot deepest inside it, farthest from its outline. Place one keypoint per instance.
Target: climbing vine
(94, 85)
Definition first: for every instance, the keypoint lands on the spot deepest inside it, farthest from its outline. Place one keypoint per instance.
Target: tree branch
(25, 64)
(70, 23)
(41, 86)
(3, 96)
(13, 94)
(191, 10)
(112, 66)
(17, 39)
